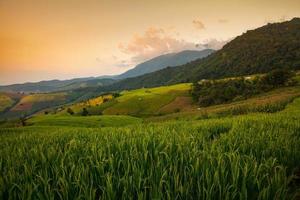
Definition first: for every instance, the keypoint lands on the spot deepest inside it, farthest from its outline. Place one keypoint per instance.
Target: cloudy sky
(62, 39)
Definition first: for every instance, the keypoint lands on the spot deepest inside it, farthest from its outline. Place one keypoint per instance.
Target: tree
(277, 77)
(23, 120)
(84, 112)
(105, 100)
(115, 95)
(70, 111)
(196, 87)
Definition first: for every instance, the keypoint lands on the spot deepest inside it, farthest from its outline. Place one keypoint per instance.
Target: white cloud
(154, 42)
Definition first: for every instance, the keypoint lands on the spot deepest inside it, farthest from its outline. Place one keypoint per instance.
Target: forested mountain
(163, 61)
(261, 50)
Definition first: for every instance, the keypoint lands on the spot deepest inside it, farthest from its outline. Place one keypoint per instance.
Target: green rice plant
(242, 157)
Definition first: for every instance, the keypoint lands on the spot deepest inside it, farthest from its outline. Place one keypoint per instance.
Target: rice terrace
(174, 100)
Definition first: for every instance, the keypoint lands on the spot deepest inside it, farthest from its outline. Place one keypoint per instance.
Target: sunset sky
(63, 39)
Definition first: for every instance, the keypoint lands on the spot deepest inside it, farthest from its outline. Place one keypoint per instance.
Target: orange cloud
(198, 24)
(154, 42)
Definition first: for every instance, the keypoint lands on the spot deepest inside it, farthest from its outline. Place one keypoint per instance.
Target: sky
(63, 39)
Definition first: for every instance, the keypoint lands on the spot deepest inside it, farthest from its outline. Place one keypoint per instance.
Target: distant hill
(163, 61)
(152, 65)
(257, 51)
(57, 85)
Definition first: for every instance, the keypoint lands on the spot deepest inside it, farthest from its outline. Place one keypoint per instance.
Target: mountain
(152, 65)
(163, 61)
(57, 85)
(261, 50)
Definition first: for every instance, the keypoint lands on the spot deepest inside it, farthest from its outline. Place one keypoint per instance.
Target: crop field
(5, 102)
(255, 156)
(272, 101)
(80, 121)
(34, 101)
(94, 105)
(146, 101)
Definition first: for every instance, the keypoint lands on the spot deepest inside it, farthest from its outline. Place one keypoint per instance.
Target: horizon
(104, 76)
(59, 40)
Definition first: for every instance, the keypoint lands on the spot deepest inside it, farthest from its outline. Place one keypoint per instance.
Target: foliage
(70, 111)
(85, 112)
(230, 158)
(212, 92)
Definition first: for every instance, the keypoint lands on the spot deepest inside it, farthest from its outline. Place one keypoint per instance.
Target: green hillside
(175, 101)
(141, 102)
(28, 104)
(5, 102)
(257, 51)
(254, 156)
(146, 102)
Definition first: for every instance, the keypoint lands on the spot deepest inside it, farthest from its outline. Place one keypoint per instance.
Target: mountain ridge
(165, 60)
(260, 50)
(154, 64)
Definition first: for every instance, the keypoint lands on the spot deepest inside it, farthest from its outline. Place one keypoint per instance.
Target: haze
(62, 39)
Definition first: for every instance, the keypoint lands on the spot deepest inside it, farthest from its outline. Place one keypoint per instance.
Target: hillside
(163, 61)
(5, 102)
(57, 85)
(175, 101)
(157, 63)
(257, 51)
(16, 105)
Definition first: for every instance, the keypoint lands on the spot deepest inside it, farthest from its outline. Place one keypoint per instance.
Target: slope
(257, 51)
(163, 61)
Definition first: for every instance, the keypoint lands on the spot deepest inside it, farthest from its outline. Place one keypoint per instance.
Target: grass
(5, 102)
(80, 121)
(242, 157)
(146, 102)
(272, 101)
(36, 101)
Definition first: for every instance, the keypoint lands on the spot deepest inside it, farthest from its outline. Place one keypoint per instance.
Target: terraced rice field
(253, 156)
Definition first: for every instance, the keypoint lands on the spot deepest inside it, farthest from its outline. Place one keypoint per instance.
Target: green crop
(242, 157)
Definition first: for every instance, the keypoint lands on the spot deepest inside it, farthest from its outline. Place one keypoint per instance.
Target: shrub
(105, 100)
(276, 77)
(84, 112)
(70, 111)
(115, 95)
(177, 110)
(208, 93)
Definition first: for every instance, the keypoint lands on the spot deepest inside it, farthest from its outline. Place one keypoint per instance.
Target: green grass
(80, 121)
(140, 103)
(146, 102)
(5, 102)
(273, 101)
(242, 157)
